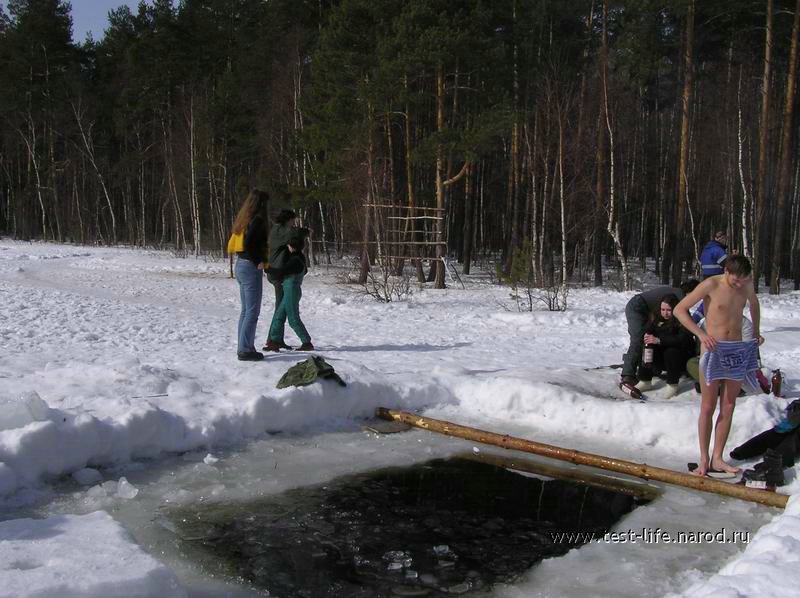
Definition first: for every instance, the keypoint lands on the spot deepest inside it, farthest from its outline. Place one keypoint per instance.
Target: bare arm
(681, 312)
(755, 315)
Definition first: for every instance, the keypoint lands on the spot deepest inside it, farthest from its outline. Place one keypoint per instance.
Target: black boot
(770, 470)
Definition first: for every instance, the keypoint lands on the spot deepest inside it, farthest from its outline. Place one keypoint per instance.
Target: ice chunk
(179, 496)
(16, 412)
(410, 591)
(126, 490)
(167, 524)
(110, 487)
(395, 555)
(461, 588)
(210, 459)
(96, 492)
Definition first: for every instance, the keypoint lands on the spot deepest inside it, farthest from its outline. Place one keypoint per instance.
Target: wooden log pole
(639, 470)
(639, 490)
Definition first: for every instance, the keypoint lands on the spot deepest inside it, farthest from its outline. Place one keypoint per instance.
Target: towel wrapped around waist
(731, 360)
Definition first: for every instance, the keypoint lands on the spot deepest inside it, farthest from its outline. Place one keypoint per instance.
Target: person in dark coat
(783, 437)
(672, 346)
(283, 230)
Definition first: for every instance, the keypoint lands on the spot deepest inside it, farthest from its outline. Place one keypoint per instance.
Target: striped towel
(732, 360)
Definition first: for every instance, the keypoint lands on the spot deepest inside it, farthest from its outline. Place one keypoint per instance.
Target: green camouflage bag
(309, 371)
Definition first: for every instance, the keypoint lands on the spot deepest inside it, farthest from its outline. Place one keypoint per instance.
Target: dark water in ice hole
(439, 528)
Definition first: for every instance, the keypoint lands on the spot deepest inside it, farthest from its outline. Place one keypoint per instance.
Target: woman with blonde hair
(249, 242)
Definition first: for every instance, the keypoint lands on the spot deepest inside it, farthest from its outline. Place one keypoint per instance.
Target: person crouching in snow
(672, 346)
(638, 313)
(291, 277)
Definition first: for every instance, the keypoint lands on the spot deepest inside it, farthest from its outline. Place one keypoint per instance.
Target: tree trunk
(639, 470)
(88, 145)
(614, 227)
(194, 208)
(794, 252)
(466, 252)
(533, 204)
(786, 160)
(30, 145)
(370, 199)
(686, 101)
(600, 160)
(740, 160)
(439, 263)
(763, 141)
(513, 174)
(562, 201)
(411, 193)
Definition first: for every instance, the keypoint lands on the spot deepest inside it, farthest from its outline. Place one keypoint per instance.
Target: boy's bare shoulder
(709, 284)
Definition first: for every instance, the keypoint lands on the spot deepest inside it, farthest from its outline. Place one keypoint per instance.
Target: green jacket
(279, 236)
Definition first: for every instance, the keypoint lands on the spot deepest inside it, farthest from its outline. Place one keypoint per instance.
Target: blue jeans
(289, 309)
(251, 285)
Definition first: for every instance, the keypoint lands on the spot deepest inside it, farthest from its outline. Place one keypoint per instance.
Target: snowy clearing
(118, 361)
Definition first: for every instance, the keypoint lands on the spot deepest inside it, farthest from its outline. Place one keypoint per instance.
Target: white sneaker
(672, 390)
(644, 385)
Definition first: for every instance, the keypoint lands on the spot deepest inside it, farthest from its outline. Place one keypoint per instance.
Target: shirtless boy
(724, 297)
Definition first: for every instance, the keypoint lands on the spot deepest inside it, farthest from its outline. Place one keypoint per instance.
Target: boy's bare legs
(708, 404)
(727, 404)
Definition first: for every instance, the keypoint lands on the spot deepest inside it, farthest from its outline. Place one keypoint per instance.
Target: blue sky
(90, 15)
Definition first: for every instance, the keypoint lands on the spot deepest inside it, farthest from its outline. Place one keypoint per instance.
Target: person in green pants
(288, 309)
(283, 230)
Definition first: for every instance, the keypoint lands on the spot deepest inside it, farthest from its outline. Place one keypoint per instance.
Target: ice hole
(447, 526)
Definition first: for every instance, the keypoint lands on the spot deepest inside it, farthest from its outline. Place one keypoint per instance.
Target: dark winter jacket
(279, 237)
(294, 263)
(255, 241)
(669, 334)
(651, 298)
(711, 258)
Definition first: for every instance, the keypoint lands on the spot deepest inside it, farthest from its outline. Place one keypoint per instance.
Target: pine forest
(577, 138)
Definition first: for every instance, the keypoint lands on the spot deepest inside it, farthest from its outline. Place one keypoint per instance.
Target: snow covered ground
(120, 363)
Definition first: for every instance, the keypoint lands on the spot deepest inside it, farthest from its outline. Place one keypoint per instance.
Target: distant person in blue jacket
(714, 253)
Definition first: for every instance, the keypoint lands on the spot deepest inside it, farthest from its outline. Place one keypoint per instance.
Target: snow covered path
(113, 355)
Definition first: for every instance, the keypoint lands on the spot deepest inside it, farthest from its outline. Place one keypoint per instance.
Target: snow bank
(768, 566)
(54, 442)
(62, 556)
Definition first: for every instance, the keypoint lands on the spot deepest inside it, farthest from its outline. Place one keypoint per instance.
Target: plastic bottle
(777, 382)
(647, 357)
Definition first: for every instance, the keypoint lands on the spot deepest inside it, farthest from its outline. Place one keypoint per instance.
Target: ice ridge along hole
(447, 526)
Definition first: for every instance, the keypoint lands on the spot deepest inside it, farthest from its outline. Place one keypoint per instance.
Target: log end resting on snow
(639, 470)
